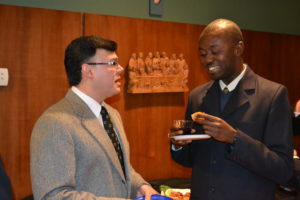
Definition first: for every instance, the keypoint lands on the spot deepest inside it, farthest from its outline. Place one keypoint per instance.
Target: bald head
(224, 27)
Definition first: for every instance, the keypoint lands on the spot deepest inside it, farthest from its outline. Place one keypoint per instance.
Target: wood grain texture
(275, 57)
(32, 44)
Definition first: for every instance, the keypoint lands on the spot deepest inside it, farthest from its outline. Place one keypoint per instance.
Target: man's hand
(179, 143)
(147, 191)
(215, 127)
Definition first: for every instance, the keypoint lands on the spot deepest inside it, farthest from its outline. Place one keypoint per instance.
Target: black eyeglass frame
(111, 63)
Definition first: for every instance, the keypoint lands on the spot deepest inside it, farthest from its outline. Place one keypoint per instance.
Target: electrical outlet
(3, 76)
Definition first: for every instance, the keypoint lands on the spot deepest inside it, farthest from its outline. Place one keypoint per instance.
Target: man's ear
(239, 48)
(86, 71)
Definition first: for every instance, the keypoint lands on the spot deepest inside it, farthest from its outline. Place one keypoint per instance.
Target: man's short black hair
(80, 50)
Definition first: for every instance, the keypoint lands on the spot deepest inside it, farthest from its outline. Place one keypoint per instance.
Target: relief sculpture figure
(157, 73)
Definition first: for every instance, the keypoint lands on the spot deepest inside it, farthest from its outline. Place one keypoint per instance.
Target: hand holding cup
(180, 127)
(184, 125)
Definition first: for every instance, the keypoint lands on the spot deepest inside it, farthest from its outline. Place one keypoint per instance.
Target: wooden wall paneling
(32, 44)
(257, 51)
(147, 117)
(285, 63)
(275, 57)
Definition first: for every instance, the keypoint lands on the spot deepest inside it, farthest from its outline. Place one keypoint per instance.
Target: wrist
(231, 145)
(176, 148)
(234, 138)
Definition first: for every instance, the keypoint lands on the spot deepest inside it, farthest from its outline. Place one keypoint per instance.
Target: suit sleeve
(271, 157)
(137, 182)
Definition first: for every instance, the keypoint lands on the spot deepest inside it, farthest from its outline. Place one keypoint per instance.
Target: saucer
(191, 137)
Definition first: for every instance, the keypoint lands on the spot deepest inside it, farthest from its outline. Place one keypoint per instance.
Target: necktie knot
(225, 90)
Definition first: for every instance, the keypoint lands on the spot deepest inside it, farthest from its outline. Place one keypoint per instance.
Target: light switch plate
(3, 76)
(156, 8)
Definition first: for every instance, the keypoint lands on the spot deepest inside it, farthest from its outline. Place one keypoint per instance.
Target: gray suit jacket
(72, 156)
(262, 155)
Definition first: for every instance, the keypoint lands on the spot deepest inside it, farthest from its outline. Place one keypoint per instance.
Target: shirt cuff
(174, 148)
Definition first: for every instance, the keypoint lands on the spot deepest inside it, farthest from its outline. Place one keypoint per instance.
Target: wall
(269, 15)
(32, 42)
(32, 48)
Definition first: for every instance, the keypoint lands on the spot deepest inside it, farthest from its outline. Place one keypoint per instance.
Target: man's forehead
(105, 54)
(211, 41)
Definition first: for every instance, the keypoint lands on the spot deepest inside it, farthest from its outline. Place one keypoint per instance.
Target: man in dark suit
(248, 118)
(5, 185)
(78, 147)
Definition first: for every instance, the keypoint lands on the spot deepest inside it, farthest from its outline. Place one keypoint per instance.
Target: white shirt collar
(91, 103)
(231, 86)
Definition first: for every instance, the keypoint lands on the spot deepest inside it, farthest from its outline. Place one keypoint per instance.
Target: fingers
(201, 116)
(211, 129)
(148, 196)
(180, 143)
(175, 132)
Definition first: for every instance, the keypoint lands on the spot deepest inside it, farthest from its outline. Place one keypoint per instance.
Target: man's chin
(112, 95)
(117, 91)
(214, 76)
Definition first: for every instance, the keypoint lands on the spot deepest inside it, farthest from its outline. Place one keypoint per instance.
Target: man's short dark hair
(80, 50)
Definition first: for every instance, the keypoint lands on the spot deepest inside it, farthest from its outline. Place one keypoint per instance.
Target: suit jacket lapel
(211, 102)
(98, 132)
(92, 124)
(241, 93)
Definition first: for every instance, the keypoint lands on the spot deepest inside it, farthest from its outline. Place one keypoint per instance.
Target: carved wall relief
(157, 73)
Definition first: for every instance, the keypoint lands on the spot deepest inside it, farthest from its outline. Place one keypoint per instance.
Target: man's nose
(120, 69)
(209, 58)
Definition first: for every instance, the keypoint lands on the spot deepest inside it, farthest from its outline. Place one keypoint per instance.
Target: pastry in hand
(197, 116)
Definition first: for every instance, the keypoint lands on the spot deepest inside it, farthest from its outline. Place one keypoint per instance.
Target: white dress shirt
(232, 85)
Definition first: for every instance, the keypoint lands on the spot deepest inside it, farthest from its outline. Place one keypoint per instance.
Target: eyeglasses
(112, 63)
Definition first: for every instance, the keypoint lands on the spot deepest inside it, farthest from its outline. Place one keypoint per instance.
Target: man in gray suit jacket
(72, 155)
(250, 149)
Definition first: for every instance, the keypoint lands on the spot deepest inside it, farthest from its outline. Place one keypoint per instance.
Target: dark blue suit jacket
(5, 186)
(262, 155)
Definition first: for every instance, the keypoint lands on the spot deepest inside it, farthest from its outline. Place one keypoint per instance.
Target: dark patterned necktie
(224, 98)
(108, 126)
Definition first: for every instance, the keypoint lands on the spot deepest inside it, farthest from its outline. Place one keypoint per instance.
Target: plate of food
(191, 137)
(177, 194)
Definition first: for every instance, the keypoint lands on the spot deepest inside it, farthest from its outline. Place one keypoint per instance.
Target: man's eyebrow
(212, 46)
